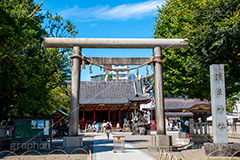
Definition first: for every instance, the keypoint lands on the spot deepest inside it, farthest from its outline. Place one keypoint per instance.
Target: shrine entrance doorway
(101, 116)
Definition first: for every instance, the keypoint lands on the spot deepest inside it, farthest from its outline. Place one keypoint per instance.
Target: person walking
(97, 128)
(104, 126)
(108, 130)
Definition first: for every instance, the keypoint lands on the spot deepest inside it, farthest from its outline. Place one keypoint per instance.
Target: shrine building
(110, 101)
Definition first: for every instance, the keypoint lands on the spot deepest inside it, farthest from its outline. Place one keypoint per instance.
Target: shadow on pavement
(135, 141)
(103, 145)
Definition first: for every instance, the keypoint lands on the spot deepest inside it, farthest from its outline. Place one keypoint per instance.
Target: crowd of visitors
(99, 127)
(104, 127)
(173, 125)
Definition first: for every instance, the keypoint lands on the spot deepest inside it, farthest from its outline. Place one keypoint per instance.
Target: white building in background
(122, 75)
(98, 77)
(237, 108)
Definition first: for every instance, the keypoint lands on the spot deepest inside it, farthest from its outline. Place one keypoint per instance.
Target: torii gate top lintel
(173, 43)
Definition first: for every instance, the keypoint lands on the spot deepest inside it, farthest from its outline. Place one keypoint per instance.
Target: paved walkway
(103, 150)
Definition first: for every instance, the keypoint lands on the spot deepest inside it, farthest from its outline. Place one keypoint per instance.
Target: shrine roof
(111, 92)
(179, 104)
(179, 114)
(173, 105)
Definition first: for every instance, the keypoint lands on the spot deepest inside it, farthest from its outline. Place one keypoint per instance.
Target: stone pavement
(103, 150)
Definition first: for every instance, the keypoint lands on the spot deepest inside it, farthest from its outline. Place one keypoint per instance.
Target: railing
(77, 153)
(198, 127)
(233, 129)
(206, 128)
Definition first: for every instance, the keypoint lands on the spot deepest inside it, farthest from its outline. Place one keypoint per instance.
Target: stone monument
(219, 119)
(218, 103)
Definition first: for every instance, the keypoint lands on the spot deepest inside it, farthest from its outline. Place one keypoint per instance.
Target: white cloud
(121, 12)
(93, 25)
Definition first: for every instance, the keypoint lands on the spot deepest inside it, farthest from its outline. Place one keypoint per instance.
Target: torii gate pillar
(161, 139)
(158, 78)
(74, 109)
(73, 140)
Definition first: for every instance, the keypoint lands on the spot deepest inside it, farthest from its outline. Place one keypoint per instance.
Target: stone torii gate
(78, 43)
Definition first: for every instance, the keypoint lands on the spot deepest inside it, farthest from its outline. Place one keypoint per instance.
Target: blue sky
(108, 19)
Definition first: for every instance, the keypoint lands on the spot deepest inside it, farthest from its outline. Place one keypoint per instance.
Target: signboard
(27, 128)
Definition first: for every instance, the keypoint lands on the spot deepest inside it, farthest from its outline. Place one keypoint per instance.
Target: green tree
(28, 72)
(60, 98)
(212, 29)
(20, 39)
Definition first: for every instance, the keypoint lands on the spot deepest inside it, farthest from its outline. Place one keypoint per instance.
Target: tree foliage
(212, 29)
(28, 72)
(60, 98)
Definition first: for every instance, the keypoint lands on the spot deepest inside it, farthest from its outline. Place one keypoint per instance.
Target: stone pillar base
(221, 149)
(72, 141)
(160, 142)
